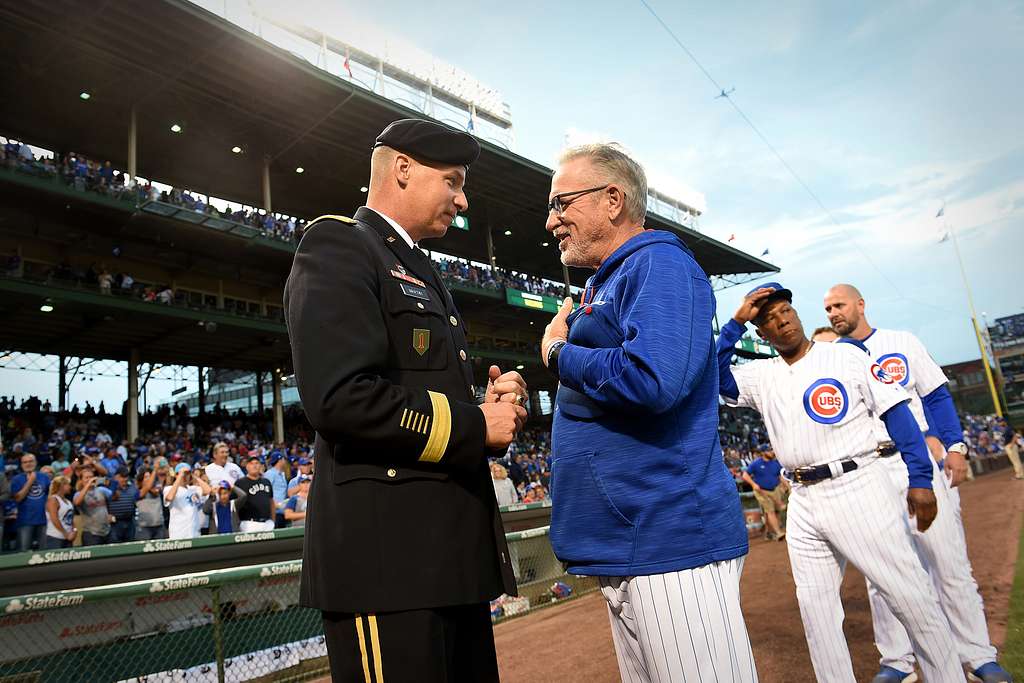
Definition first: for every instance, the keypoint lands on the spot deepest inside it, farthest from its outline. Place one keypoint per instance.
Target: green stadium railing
(233, 624)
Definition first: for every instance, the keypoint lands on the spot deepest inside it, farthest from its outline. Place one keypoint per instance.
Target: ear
(402, 169)
(616, 202)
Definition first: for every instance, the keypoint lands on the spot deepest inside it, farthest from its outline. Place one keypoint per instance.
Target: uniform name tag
(414, 291)
(407, 278)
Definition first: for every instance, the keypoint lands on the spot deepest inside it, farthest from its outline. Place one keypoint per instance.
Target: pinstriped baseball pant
(680, 627)
(860, 518)
(943, 553)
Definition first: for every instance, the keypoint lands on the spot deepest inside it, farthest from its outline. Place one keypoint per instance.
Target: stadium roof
(176, 63)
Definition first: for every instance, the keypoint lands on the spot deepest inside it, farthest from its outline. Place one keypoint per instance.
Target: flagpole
(974, 323)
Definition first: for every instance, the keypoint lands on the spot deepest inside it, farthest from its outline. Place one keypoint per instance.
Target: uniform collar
(394, 224)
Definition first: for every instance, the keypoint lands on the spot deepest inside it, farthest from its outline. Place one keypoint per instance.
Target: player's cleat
(887, 674)
(990, 673)
(781, 537)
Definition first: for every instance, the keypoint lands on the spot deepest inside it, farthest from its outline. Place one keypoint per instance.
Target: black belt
(886, 449)
(260, 521)
(804, 475)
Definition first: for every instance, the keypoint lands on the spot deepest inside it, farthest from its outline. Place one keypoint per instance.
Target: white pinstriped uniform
(943, 548)
(822, 410)
(650, 617)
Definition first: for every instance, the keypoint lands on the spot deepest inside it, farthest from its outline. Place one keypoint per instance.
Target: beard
(844, 327)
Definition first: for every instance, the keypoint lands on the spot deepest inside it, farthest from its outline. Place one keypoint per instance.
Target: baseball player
(819, 403)
(943, 550)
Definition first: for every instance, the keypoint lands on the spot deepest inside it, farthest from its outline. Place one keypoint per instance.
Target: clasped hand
(503, 406)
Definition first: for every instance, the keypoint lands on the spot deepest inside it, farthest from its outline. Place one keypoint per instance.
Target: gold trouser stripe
(405, 414)
(375, 640)
(362, 647)
(426, 421)
(440, 431)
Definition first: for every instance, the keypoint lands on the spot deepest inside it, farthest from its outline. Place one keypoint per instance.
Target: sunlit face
(843, 311)
(28, 463)
(780, 325)
(583, 229)
(436, 193)
(253, 467)
(220, 455)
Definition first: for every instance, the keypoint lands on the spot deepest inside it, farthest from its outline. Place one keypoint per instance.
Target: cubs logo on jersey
(826, 401)
(881, 375)
(895, 365)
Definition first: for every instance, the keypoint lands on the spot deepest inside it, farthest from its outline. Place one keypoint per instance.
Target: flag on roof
(731, 237)
(764, 253)
(347, 65)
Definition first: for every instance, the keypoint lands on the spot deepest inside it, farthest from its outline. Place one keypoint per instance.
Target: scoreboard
(539, 302)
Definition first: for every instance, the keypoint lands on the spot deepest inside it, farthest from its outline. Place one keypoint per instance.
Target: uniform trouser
(943, 553)
(1013, 453)
(250, 526)
(441, 645)
(681, 626)
(860, 518)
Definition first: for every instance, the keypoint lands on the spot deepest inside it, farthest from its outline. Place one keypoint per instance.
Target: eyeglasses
(558, 204)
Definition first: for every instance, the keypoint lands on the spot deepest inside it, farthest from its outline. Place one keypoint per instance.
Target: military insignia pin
(420, 341)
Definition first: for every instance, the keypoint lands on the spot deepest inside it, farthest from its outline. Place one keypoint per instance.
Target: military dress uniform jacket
(402, 513)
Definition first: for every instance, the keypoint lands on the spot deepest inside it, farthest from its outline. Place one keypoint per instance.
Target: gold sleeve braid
(440, 428)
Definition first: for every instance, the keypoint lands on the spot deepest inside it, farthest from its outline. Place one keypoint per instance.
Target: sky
(887, 115)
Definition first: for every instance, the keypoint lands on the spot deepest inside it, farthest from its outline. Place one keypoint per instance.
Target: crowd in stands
(68, 477)
(461, 272)
(91, 175)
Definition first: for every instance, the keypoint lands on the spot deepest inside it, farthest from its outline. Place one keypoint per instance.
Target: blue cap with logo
(779, 292)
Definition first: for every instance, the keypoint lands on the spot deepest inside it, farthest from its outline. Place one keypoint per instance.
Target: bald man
(942, 549)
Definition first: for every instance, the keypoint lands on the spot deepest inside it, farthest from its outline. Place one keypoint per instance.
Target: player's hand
(751, 305)
(557, 329)
(31, 477)
(922, 505)
(955, 468)
(503, 420)
(509, 387)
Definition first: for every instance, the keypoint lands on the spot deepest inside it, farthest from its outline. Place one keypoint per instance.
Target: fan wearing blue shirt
(29, 489)
(764, 475)
(279, 483)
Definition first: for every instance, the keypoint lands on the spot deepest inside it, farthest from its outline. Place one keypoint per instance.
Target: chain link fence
(239, 624)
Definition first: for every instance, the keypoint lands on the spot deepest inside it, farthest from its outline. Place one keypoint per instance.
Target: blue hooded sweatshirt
(639, 485)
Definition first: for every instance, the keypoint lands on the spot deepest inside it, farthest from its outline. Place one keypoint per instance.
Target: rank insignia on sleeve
(420, 340)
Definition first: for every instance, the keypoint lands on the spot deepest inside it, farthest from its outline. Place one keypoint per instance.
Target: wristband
(553, 351)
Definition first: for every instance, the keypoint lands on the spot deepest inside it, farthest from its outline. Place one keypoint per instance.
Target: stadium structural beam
(568, 283)
(132, 407)
(201, 396)
(259, 392)
(490, 247)
(62, 383)
(133, 131)
(266, 183)
(278, 407)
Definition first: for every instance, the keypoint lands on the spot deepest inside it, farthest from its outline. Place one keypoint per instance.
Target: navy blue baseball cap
(779, 292)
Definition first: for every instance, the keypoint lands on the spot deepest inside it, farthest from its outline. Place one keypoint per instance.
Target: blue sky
(886, 114)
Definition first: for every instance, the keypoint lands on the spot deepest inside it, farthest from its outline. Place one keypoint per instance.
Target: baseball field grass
(1013, 648)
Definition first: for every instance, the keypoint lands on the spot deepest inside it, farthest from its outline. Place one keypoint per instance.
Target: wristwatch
(553, 351)
(959, 447)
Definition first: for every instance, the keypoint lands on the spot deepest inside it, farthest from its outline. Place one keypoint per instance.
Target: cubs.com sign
(895, 365)
(826, 401)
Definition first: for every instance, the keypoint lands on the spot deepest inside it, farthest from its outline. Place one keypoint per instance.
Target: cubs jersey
(820, 409)
(903, 357)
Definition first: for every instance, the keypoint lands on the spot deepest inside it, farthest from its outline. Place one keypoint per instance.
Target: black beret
(430, 141)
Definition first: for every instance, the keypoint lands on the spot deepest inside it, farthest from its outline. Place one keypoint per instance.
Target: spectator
(295, 508)
(5, 494)
(764, 475)
(91, 501)
(279, 483)
(149, 518)
(185, 498)
(60, 515)
(122, 506)
(111, 462)
(1012, 450)
(305, 470)
(504, 490)
(256, 513)
(30, 491)
(222, 507)
(222, 469)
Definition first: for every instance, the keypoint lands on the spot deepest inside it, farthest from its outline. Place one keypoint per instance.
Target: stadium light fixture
(175, 128)
(46, 307)
(364, 188)
(507, 233)
(520, 367)
(544, 244)
(299, 169)
(236, 149)
(84, 95)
